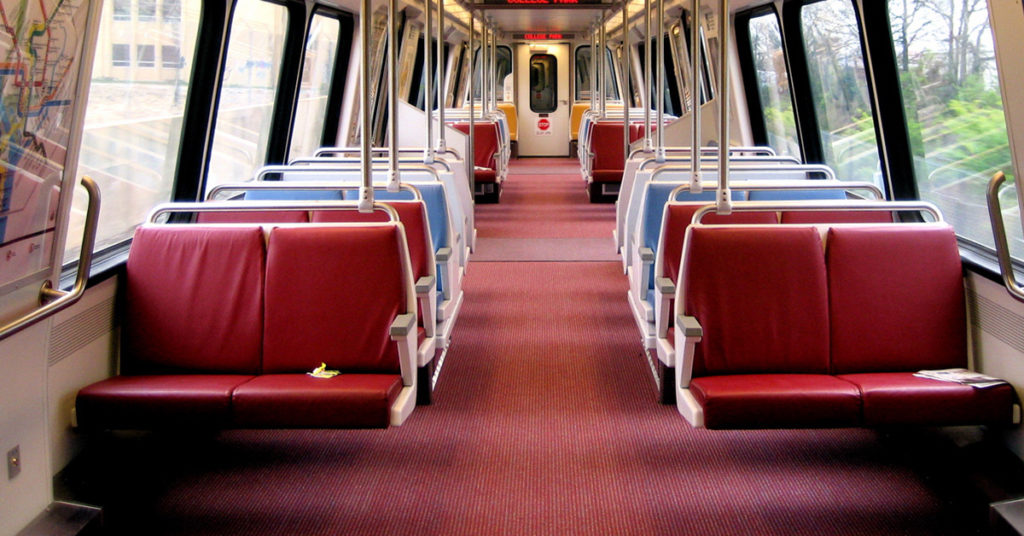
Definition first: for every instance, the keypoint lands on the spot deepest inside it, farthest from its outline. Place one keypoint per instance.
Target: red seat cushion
(331, 296)
(302, 401)
(607, 175)
(147, 402)
(896, 299)
(902, 398)
(194, 300)
(606, 144)
(777, 401)
(485, 175)
(760, 296)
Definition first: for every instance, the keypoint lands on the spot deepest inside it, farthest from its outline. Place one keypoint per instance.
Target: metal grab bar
(298, 185)
(356, 160)
(750, 185)
(757, 150)
(258, 206)
(324, 151)
(808, 168)
(713, 159)
(817, 206)
(267, 170)
(58, 299)
(995, 214)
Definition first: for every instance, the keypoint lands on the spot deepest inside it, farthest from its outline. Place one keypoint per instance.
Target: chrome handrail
(258, 206)
(751, 185)
(817, 206)
(995, 214)
(808, 168)
(707, 157)
(307, 160)
(298, 185)
(58, 299)
(266, 170)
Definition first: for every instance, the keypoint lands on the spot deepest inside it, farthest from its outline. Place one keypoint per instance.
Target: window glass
(133, 123)
(543, 83)
(147, 10)
(171, 10)
(122, 10)
(773, 84)
(255, 49)
(502, 66)
(317, 73)
(583, 72)
(840, 90)
(145, 55)
(954, 113)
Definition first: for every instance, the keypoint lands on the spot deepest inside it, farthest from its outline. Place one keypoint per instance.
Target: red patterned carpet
(544, 422)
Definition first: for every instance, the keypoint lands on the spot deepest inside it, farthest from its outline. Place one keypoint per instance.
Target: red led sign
(543, 36)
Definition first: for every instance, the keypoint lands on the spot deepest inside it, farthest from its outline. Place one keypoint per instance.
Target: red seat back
(194, 300)
(606, 144)
(677, 220)
(331, 296)
(896, 299)
(257, 216)
(485, 142)
(412, 214)
(761, 297)
(836, 216)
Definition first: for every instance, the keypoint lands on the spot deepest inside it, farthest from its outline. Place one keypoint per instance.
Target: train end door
(543, 99)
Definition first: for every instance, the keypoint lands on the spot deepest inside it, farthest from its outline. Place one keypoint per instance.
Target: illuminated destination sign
(539, 2)
(542, 36)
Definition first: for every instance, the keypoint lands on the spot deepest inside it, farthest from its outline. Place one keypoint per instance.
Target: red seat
(485, 147)
(777, 401)
(193, 324)
(301, 401)
(897, 306)
(836, 216)
(607, 148)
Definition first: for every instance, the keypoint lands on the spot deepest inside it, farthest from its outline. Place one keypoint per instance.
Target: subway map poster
(40, 47)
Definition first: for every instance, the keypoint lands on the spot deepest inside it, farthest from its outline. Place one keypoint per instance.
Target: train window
(836, 64)
(543, 83)
(584, 70)
(954, 112)
(317, 73)
(255, 49)
(773, 83)
(133, 120)
(502, 66)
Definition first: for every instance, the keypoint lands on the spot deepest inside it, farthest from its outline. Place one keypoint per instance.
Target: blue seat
(293, 195)
(797, 195)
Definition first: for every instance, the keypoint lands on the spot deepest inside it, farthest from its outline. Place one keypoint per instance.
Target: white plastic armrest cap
(665, 286)
(425, 283)
(403, 325)
(691, 327)
(646, 254)
(443, 254)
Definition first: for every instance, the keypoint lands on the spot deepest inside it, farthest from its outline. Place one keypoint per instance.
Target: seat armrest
(688, 334)
(689, 326)
(403, 325)
(425, 284)
(666, 291)
(443, 254)
(646, 254)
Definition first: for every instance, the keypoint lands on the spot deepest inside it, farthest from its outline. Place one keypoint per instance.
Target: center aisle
(544, 421)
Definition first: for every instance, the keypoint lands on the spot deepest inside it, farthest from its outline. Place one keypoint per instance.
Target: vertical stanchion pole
(648, 145)
(442, 93)
(393, 178)
(428, 84)
(660, 154)
(724, 197)
(471, 157)
(695, 68)
(624, 90)
(366, 189)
